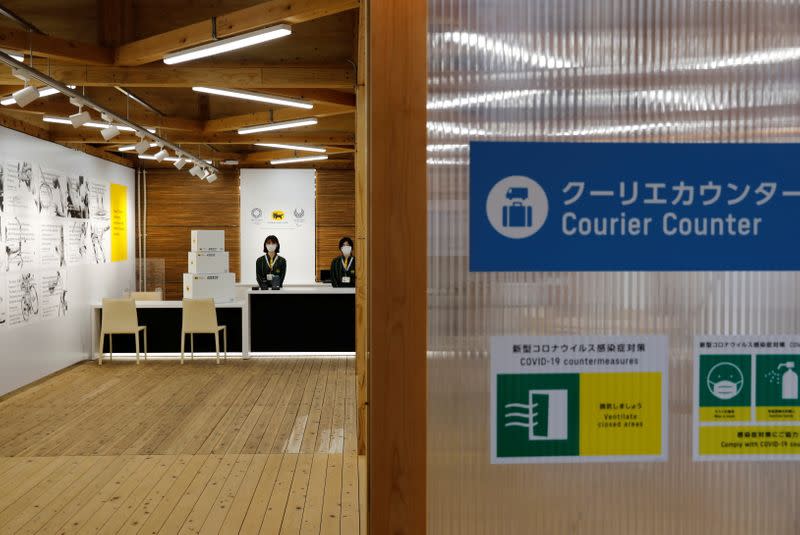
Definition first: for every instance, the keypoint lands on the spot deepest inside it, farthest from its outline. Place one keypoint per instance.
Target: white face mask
(271, 247)
(346, 250)
(725, 389)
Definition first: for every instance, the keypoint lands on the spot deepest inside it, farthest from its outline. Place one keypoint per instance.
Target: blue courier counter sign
(634, 206)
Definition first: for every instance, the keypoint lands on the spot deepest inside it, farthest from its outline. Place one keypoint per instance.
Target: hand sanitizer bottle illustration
(788, 381)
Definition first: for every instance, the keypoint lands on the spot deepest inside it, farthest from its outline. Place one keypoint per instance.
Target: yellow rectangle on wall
(119, 222)
(620, 413)
(749, 440)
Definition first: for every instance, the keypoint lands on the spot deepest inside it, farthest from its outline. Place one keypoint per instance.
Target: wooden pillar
(397, 267)
(362, 218)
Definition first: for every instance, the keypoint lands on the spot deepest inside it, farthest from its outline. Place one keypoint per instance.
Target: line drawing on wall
(77, 197)
(99, 231)
(14, 249)
(29, 305)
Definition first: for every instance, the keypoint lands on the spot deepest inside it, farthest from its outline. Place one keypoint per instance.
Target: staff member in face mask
(343, 268)
(271, 268)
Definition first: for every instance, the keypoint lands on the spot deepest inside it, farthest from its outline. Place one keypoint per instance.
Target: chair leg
(191, 344)
(136, 335)
(225, 342)
(216, 344)
(144, 333)
(100, 352)
(183, 344)
(111, 347)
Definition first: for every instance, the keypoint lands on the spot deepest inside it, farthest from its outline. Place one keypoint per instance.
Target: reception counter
(307, 319)
(295, 319)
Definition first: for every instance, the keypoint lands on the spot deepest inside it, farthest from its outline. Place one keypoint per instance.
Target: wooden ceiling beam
(54, 47)
(261, 15)
(272, 76)
(66, 134)
(234, 122)
(328, 96)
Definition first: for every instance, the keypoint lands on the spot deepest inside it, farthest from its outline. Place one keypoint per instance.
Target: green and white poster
(578, 399)
(747, 405)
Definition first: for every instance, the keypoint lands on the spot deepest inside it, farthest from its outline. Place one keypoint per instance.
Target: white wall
(31, 351)
(291, 191)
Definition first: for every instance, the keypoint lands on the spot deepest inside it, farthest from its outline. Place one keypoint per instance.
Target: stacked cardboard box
(208, 274)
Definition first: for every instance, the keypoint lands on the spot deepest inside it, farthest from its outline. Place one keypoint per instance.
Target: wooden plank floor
(256, 446)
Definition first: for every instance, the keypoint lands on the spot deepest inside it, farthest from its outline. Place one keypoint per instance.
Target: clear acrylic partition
(598, 70)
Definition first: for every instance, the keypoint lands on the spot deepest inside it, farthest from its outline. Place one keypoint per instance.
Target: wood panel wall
(336, 198)
(178, 203)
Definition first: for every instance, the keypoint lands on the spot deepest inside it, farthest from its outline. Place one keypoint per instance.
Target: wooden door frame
(397, 260)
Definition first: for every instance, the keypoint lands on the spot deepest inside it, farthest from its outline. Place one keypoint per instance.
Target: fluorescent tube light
(154, 157)
(257, 97)
(25, 96)
(300, 159)
(43, 92)
(278, 126)
(304, 148)
(227, 45)
(92, 124)
(128, 148)
(14, 55)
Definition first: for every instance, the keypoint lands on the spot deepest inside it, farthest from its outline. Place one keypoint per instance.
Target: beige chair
(119, 317)
(200, 317)
(147, 296)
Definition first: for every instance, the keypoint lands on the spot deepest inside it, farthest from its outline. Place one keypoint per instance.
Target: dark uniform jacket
(262, 270)
(338, 271)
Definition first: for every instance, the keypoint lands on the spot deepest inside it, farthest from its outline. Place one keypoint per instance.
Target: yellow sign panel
(119, 222)
(620, 413)
(750, 440)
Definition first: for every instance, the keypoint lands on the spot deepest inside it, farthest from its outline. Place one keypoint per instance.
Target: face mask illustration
(725, 380)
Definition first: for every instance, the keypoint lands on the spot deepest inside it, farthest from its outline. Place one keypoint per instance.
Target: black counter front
(318, 319)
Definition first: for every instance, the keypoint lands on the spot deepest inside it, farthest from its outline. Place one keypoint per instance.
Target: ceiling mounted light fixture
(196, 170)
(15, 55)
(109, 132)
(303, 148)
(211, 178)
(160, 155)
(256, 97)
(230, 44)
(300, 159)
(297, 123)
(91, 124)
(180, 163)
(142, 146)
(25, 96)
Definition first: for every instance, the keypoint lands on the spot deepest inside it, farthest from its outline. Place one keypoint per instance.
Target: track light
(142, 146)
(211, 178)
(160, 155)
(227, 45)
(79, 119)
(180, 163)
(109, 132)
(257, 97)
(303, 148)
(91, 124)
(297, 123)
(25, 96)
(300, 159)
(43, 92)
(196, 170)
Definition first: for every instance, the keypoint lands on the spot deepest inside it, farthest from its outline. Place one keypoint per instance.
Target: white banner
(279, 202)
